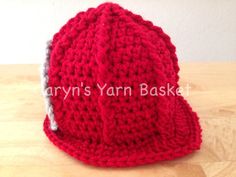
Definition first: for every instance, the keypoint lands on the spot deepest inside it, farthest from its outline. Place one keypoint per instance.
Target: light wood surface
(26, 152)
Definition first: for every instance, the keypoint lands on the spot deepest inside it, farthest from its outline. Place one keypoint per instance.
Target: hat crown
(110, 46)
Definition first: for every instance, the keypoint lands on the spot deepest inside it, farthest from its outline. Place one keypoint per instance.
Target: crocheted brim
(106, 156)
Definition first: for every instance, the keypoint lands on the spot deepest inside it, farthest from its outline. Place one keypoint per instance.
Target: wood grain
(25, 150)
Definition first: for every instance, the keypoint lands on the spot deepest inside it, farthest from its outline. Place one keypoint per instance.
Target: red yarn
(109, 44)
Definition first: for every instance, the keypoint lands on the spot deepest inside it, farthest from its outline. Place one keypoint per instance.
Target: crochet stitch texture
(109, 44)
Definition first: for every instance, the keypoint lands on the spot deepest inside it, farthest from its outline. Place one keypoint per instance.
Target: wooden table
(25, 150)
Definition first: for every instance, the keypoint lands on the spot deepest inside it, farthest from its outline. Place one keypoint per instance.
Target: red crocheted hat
(109, 46)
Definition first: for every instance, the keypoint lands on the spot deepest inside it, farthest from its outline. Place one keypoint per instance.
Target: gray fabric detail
(44, 84)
